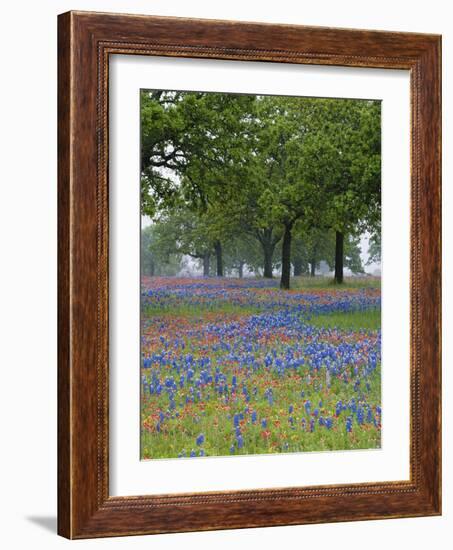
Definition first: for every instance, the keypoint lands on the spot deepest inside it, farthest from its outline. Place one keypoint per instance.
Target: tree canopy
(260, 181)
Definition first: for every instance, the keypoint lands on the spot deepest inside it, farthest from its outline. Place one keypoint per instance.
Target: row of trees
(233, 179)
(161, 257)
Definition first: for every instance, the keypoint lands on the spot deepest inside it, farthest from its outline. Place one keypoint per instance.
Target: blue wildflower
(348, 424)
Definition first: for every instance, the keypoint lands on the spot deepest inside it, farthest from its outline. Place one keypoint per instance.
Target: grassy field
(350, 283)
(350, 321)
(234, 366)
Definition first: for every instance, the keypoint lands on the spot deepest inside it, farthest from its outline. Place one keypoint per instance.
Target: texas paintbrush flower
(233, 366)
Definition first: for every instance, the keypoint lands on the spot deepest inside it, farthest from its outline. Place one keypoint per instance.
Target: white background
(28, 271)
(130, 476)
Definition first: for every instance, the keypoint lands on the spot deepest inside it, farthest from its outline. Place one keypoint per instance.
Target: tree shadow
(49, 523)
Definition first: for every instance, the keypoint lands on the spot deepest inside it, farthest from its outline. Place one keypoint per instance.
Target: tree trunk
(268, 251)
(312, 267)
(286, 257)
(298, 267)
(151, 269)
(268, 243)
(206, 264)
(339, 252)
(219, 259)
(241, 270)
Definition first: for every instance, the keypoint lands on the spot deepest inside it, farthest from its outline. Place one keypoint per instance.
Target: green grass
(212, 416)
(216, 424)
(192, 311)
(354, 321)
(321, 283)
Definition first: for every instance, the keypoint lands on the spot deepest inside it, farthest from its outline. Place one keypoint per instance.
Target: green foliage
(241, 251)
(352, 258)
(374, 248)
(230, 169)
(311, 246)
(158, 254)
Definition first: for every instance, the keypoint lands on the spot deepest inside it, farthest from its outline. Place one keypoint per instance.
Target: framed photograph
(249, 275)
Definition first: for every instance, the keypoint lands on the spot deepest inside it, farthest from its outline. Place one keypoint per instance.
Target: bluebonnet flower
(348, 424)
(269, 396)
(200, 439)
(228, 364)
(360, 415)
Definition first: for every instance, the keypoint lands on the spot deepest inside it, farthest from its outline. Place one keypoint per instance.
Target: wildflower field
(238, 366)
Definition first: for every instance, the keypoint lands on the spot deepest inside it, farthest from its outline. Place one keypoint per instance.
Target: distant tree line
(258, 182)
(160, 255)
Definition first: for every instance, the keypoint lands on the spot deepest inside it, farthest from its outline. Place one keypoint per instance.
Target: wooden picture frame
(85, 41)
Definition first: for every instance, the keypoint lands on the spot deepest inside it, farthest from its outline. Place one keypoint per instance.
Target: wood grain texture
(64, 366)
(85, 42)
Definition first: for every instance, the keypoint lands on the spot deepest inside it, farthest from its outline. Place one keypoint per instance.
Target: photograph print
(260, 274)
